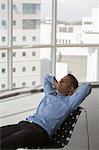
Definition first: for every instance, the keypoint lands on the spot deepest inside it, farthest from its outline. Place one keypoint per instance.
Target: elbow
(89, 88)
(86, 88)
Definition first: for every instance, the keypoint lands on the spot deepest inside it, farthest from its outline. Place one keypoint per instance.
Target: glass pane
(3, 70)
(3, 42)
(30, 66)
(32, 22)
(3, 22)
(31, 8)
(78, 22)
(83, 63)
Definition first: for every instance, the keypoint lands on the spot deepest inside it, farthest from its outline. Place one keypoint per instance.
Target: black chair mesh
(62, 135)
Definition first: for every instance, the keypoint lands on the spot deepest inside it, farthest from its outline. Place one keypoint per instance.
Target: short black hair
(73, 80)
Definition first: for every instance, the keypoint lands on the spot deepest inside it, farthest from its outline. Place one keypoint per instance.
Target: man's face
(64, 86)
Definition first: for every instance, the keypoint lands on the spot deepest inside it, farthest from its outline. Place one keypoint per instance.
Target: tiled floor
(14, 109)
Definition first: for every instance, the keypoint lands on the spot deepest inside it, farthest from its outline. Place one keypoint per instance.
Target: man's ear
(71, 89)
(75, 90)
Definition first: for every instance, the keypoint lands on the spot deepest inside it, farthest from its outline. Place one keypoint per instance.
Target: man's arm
(49, 83)
(82, 92)
(55, 82)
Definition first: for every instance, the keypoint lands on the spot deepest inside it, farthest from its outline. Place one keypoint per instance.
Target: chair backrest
(62, 135)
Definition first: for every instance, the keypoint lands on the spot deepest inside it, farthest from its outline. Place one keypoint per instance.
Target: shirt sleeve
(82, 92)
(48, 84)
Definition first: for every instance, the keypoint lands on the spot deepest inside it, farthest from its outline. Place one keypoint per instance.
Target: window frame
(53, 44)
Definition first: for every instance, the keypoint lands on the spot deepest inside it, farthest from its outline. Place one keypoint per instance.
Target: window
(23, 84)
(69, 41)
(14, 38)
(15, 10)
(66, 41)
(88, 22)
(14, 22)
(59, 41)
(3, 6)
(33, 53)
(70, 29)
(3, 86)
(63, 41)
(33, 38)
(24, 38)
(31, 8)
(3, 54)
(31, 23)
(62, 29)
(23, 69)
(14, 69)
(33, 68)
(14, 54)
(14, 6)
(24, 54)
(14, 85)
(30, 17)
(3, 39)
(33, 83)
(3, 23)
(78, 61)
(3, 70)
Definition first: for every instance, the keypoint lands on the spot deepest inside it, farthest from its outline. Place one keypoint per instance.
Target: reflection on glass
(78, 22)
(81, 62)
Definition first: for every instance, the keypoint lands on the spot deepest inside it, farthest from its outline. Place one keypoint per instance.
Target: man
(60, 99)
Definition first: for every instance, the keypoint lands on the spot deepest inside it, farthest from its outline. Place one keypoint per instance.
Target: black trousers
(23, 134)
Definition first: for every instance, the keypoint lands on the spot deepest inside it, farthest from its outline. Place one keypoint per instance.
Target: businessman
(60, 99)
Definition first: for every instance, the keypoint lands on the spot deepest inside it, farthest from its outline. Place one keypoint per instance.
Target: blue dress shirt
(54, 107)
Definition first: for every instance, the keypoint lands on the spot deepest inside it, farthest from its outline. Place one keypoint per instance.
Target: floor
(14, 109)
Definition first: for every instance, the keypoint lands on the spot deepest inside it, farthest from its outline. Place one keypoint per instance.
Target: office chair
(62, 135)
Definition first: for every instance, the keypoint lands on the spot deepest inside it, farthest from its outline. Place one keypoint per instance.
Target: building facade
(26, 32)
(28, 66)
(78, 60)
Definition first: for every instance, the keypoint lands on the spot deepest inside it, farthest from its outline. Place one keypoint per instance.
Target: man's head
(67, 85)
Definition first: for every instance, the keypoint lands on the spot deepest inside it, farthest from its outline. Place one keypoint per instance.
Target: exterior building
(77, 60)
(28, 67)
(90, 35)
(26, 32)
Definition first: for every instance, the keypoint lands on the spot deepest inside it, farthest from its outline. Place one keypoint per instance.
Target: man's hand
(55, 82)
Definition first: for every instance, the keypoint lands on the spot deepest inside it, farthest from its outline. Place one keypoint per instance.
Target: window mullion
(54, 25)
(10, 42)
